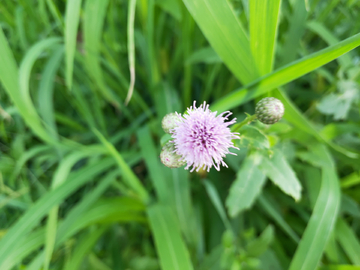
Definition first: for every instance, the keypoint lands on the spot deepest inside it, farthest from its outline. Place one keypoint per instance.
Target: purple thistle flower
(203, 139)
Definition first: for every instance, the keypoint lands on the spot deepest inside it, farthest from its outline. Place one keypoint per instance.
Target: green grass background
(84, 86)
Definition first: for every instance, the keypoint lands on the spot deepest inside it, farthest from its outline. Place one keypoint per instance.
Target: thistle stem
(246, 121)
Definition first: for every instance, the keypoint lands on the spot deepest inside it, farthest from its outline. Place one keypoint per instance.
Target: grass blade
(71, 31)
(9, 76)
(226, 35)
(95, 11)
(128, 175)
(286, 74)
(46, 89)
(323, 218)
(131, 48)
(348, 241)
(169, 243)
(264, 17)
(43, 206)
(153, 165)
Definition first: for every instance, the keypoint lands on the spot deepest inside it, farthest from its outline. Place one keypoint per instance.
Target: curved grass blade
(83, 247)
(46, 89)
(128, 175)
(31, 218)
(348, 241)
(60, 176)
(9, 76)
(323, 218)
(131, 48)
(65, 227)
(286, 74)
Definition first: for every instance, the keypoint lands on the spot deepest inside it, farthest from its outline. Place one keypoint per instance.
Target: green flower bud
(269, 110)
(169, 158)
(170, 121)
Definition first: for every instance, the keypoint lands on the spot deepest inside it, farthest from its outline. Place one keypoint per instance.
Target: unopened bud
(269, 110)
(169, 158)
(170, 121)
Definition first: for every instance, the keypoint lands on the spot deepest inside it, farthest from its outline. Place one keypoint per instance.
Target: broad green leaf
(252, 137)
(285, 74)
(226, 35)
(246, 187)
(71, 31)
(170, 246)
(339, 103)
(264, 16)
(281, 174)
(323, 218)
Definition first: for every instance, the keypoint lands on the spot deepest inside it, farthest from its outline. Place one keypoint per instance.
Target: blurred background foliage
(81, 183)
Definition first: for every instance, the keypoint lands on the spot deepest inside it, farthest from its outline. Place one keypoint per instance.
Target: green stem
(246, 121)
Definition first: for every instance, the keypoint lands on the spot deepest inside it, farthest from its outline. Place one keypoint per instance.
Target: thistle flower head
(269, 110)
(169, 122)
(203, 139)
(169, 158)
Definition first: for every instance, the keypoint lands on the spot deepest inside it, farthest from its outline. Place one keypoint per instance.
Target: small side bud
(170, 121)
(169, 158)
(269, 110)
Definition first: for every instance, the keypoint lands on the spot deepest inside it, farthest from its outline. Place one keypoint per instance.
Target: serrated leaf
(281, 174)
(247, 186)
(252, 136)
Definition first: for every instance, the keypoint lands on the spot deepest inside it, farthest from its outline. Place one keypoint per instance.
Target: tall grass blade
(323, 218)
(226, 35)
(170, 246)
(264, 16)
(131, 48)
(71, 32)
(286, 74)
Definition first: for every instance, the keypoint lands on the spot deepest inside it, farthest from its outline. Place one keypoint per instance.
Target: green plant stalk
(246, 121)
